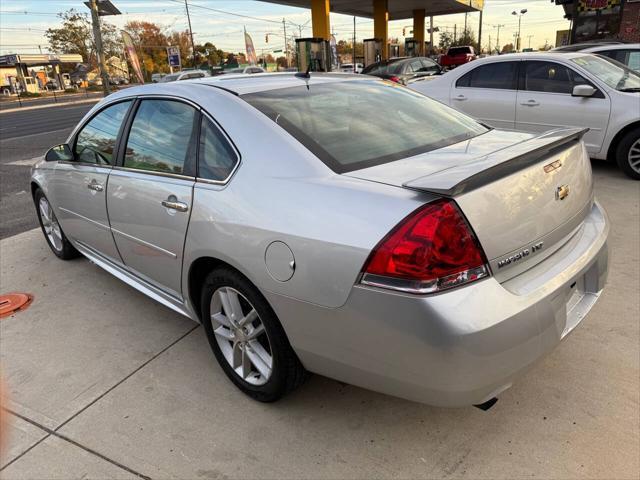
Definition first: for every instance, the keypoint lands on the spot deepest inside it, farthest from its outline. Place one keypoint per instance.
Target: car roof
(614, 46)
(531, 56)
(243, 83)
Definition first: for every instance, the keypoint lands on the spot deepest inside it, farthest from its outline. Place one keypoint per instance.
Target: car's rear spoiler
(462, 178)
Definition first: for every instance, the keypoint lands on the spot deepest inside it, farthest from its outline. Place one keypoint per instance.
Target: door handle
(460, 98)
(173, 203)
(95, 186)
(530, 103)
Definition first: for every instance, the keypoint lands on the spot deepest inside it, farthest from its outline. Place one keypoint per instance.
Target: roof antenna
(305, 74)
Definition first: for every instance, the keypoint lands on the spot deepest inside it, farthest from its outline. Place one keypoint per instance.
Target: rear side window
(162, 138)
(96, 141)
(216, 158)
(378, 122)
(499, 75)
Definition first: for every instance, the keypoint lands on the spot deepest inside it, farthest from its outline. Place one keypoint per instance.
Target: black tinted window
(162, 137)
(550, 77)
(494, 75)
(217, 158)
(97, 140)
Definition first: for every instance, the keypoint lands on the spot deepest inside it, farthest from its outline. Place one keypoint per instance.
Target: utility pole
(193, 45)
(498, 36)
(480, 34)
(431, 35)
(353, 60)
(465, 23)
(529, 38)
(97, 37)
(489, 44)
(455, 30)
(286, 46)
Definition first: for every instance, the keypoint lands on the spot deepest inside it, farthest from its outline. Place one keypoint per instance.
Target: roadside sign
(174, 56)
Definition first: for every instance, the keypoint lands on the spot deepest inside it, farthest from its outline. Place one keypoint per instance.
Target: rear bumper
(460, 347)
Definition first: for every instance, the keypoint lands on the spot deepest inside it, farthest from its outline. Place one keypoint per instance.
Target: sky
(23, 22)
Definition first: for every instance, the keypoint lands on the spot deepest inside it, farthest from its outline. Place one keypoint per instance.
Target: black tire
(623, 152)
(287, 372)
(65, 250)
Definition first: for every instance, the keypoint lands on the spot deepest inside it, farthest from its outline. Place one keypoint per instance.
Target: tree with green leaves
(75, 35)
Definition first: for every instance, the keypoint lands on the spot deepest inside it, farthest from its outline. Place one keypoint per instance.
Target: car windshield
(613, 73)
(170, 78)
(359, 124)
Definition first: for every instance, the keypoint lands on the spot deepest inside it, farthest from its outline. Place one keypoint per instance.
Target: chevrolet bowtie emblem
(562, 192)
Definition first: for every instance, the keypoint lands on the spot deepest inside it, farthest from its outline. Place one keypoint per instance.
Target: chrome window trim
(154, 172)
(230, 142)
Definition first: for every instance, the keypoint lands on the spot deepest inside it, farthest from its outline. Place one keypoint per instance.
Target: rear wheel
(53, 234)
(628, 154)
(247, 338)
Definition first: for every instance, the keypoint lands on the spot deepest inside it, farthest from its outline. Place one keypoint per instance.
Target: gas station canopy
(381, 11)
(397, 9)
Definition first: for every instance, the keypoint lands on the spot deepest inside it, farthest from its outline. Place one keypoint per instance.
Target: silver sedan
(335, 224)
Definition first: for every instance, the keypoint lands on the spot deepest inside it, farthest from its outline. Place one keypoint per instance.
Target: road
(49, 99)
(24, 136)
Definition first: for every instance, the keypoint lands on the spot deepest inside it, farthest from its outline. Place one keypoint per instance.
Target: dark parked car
(403, 69)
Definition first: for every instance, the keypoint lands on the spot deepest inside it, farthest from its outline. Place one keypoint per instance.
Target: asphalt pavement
(24, 137)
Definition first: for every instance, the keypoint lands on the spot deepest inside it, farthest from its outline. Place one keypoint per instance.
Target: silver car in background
(399, 246)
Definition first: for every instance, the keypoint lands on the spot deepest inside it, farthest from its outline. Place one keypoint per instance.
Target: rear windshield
(393, 68)
(359, 124)
(459, 51)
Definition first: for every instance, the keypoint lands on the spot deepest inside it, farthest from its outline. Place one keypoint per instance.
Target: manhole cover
(12, 302)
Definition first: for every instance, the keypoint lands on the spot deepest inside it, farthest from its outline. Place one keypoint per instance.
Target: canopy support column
(320, 19)
(381, 25)
(418, 31)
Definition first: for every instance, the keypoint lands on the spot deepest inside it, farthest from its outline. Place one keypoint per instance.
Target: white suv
(541, 91)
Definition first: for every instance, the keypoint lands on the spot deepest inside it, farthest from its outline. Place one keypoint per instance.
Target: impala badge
(552, 166)
(562, 192)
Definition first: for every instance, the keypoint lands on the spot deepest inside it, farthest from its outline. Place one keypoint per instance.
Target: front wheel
(53, 234)
(247, 338)
(628, 154)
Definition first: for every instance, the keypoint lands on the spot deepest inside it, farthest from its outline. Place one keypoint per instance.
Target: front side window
(499, 75)
(216, 157)
(162, 138)
(96, 141)
(379, 122)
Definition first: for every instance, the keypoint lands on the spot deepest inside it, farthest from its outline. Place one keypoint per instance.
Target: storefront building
(594, 20)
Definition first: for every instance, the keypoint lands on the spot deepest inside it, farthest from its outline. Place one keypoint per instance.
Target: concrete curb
(48, 105)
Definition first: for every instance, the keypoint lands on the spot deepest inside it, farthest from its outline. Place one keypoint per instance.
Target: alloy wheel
(241, 336)
(634, 156)
(50, 224)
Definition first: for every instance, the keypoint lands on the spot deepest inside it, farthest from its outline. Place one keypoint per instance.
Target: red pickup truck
(457, 56)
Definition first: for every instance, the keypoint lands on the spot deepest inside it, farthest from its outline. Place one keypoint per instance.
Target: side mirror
(583, 91)
(59, 153)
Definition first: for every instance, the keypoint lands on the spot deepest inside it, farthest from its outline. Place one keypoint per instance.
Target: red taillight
(430, 250)
(394, 79)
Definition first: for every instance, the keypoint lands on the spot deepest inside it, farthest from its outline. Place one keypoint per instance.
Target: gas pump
(372, 50)
(313, 54)
(410, 47)
(394, 50)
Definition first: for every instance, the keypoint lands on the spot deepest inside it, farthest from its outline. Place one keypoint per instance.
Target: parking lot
(106, 383)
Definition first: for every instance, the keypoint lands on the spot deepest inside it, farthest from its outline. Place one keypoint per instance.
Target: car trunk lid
(522, 194)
